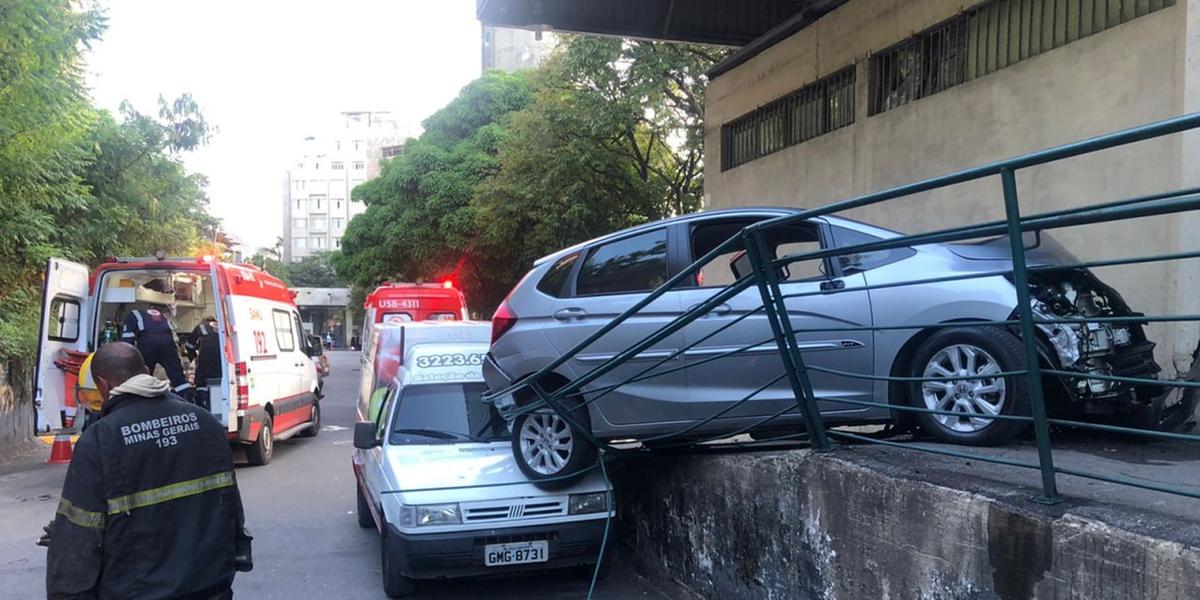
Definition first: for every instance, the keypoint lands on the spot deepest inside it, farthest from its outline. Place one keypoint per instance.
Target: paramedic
(206, 328)
(150, 506)
(150, 329)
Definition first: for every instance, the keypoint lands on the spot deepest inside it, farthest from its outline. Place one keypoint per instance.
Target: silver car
(572, 293)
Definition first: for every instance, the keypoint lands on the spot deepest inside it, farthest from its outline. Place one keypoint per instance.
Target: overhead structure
(724, 22)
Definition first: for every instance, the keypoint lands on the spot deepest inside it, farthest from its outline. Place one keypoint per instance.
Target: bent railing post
(775, 305)
(1037, 400)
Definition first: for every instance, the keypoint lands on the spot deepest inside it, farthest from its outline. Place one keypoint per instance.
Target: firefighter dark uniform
(196, 338)
(150, 331)
(150, 507)
(208, 367)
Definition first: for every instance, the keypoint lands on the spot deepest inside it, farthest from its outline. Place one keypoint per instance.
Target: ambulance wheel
(365, 520)
(259, 453)
(551, 453)
(315, 419)
(395, 585)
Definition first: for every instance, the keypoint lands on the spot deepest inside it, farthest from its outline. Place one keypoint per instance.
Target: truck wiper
(439, 434)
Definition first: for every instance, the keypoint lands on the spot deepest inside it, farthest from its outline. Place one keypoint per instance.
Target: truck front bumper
(460, 554)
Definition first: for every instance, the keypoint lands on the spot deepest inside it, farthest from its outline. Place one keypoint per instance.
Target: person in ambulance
(150, 330)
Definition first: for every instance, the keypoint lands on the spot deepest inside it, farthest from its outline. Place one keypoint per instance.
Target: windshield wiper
(439, 434)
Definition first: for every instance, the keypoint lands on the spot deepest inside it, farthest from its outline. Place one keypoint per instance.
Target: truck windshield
(445, 413)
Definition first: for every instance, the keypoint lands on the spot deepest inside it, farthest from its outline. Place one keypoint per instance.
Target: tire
(365, 520)
(552, 468)
(970, 351)
(260, 452)
(315, 419)
(395, 585)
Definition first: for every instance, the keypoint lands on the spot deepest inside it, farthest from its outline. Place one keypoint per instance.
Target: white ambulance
(268, 389)
(435, 469)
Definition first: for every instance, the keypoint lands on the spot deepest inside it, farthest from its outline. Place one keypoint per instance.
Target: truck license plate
(495, 555)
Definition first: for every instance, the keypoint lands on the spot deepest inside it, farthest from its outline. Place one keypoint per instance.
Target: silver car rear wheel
(547, 443)
(978, 395)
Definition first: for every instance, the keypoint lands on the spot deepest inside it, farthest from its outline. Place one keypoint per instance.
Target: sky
(266, 73)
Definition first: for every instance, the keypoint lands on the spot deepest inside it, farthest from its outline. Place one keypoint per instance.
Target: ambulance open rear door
(64, 327)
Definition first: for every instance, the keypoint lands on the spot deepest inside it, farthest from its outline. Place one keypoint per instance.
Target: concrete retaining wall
(16, 411)
(798, 525)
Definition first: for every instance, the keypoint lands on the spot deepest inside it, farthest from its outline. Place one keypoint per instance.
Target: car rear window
(554, 282)
(856, 263)
(634, 264)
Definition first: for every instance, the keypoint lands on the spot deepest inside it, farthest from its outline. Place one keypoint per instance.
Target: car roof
(758, 210)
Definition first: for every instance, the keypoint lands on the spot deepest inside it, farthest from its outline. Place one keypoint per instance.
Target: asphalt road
(300, 509)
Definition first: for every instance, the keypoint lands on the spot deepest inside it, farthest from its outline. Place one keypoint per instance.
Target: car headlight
(437, 514)
(588, 503)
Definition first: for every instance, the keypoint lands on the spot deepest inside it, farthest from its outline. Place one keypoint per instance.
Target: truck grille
(510, 510)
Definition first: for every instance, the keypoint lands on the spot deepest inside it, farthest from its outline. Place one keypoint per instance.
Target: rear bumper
(248, 425)
(460, 554)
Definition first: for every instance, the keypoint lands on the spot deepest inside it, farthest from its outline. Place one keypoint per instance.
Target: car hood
(1040, 249)
(477, 470)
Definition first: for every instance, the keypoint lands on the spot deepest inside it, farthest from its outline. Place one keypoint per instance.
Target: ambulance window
(283, 331)
(64, 320)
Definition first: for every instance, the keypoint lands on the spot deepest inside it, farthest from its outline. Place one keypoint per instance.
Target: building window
(338, 222)
(390, 151)
(316, 166)
(299, 223)
(337, 165)
(318, 243)
(300, 243)
(300, 165)
(359, 165)
(318, 223)
(299, 205)
(337, 204)
(806, 113)
(988, 38)
(356, 143)
(337, 242)
(316, 204)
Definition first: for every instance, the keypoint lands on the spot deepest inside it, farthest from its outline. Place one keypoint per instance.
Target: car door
(63, 327)
(825, 298)
(306, 365)
(613, 276)
(287, 369)
(374, 475)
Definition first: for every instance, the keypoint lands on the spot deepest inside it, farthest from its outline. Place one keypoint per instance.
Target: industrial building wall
(1128, 75)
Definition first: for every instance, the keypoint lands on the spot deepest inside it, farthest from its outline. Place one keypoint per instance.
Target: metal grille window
(987, 38)
(806, 113)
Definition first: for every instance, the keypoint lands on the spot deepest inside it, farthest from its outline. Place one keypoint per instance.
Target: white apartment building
(317, 204)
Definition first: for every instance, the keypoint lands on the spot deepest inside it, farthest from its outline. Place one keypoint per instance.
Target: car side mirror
(315, 348)
(364, 436)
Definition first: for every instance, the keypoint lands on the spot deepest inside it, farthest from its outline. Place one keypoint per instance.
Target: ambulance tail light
(243, 386)
(502, 321)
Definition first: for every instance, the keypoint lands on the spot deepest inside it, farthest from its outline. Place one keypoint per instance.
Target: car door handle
(830, 285)
(573, 312)
(720, 309)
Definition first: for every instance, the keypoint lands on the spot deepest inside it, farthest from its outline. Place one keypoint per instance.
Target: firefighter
(208, 366)
(150, 506)
(206, 328)
(150, 329)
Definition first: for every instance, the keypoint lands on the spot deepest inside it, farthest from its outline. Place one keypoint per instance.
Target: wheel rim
(546, 443)
(980, 395)
(268, 439)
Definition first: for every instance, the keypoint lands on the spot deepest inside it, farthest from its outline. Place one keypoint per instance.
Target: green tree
(270, 259)
(315, 270)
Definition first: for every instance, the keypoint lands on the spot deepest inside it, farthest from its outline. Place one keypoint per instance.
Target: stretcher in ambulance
(267, 390)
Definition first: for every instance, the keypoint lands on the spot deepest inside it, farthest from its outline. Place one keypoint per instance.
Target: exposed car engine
(1106, 348)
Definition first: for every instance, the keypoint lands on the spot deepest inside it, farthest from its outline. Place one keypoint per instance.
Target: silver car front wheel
(546, 443)
(975, 394)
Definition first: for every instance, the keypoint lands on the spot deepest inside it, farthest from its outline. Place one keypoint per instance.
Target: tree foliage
(76, 181)
(607, 134)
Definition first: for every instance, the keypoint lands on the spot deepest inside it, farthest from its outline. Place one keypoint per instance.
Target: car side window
(284, 336)
(793, 239)
(554, 282)
(382, 417)
(859, 262)
(633, 264)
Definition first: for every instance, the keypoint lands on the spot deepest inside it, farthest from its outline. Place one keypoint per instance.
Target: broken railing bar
(944, 452)
(1095, 144)
(1001, 273)
(853, 375)
(1179, 383)
(718, 415)
(1081, 216)
(1138, 483)
(928, 411)
(1166, 435)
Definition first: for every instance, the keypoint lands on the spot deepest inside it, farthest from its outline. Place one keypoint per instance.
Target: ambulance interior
(189, 293)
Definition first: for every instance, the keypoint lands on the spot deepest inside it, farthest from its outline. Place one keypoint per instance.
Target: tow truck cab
(268, 389)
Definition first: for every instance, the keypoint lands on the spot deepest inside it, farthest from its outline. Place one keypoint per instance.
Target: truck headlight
(581, 504)
(438, 514)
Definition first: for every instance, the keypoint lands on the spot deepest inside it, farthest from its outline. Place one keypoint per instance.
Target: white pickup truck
(436, 474)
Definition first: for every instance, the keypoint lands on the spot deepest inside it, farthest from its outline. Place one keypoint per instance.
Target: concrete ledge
(848, 525)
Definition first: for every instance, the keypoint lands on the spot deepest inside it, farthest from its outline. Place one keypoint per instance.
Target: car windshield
(444, 413)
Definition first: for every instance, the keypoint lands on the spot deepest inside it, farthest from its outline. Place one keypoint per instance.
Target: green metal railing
(765, 278)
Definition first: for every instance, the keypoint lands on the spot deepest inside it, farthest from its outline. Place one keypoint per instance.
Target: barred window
(806, 113)
(987, 38)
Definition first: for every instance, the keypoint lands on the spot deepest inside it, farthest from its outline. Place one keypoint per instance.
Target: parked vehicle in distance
(269, 388)
(572, 293)
(435, 475)
(404, 302)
